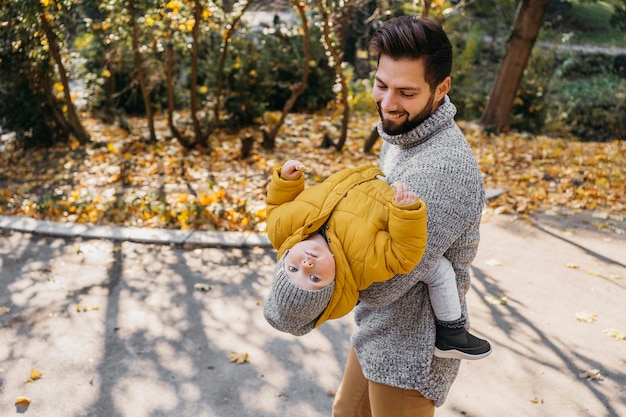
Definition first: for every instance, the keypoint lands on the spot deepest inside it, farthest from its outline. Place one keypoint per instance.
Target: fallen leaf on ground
(34, 375)
(614, 334)
(493, 262)
(591, 374)
(586, 316)
(536, 400)
(202, 287)
(239, 357)
(496, 301)
(539, 173)
(4, 310)
(22, 401)
(84, 308)
(573, 266)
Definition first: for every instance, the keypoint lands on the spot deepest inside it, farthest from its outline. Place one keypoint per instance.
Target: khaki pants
(358, 397)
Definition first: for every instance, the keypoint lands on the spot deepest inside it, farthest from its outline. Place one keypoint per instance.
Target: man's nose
(388, 102)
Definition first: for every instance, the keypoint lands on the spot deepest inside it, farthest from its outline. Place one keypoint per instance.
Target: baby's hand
(403, 196)
(292, 169)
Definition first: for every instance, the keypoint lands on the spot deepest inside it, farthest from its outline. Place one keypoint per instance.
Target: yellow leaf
(4, 310)
(106, 73)
(22, 401)
(573, 266)
(536, 400)
(493, 262)
(202, 287)
(495, 301)
(614, 334)
(34, 374)
(586, 316)
(591, 374)
(58, 87)
(239, 357)
(602, 183)
(190, 24)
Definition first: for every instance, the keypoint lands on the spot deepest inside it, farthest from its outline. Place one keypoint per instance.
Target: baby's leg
(443, 292)
(452, 340)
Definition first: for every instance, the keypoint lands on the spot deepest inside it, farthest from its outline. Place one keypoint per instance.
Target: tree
(332, 45)
(269, 137)
(132, 11)
(73, 120)
(528, 22)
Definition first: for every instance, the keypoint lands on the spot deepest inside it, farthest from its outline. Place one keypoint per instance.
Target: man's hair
(408, 37)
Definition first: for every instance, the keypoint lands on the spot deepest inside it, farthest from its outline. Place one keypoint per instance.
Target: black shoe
(460, 344)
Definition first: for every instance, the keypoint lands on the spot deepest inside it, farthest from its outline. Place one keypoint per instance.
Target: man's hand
(292, 170)
(403, 196)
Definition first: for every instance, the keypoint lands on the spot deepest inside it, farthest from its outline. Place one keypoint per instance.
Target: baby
(354, 229)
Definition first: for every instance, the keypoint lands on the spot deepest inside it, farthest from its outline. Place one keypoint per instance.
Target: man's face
(402, 95)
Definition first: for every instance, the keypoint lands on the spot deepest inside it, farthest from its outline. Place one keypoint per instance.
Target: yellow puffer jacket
(370, 237)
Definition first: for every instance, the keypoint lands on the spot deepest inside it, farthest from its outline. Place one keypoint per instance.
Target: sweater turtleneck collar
(435, 122)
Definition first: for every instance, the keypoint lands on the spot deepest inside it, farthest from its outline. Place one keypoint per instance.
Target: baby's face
(310, 264)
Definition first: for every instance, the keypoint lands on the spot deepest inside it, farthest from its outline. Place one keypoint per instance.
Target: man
(391, 370)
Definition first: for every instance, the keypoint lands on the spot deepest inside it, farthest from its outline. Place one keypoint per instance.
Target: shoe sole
(456, 354)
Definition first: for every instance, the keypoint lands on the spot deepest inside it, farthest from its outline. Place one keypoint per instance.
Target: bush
(262, 68)
(27, 112)
(593, 108)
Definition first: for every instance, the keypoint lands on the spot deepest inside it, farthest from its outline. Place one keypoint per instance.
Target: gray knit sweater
(395, 334)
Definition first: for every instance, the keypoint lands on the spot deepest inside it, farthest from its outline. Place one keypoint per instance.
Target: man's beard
(409, 124)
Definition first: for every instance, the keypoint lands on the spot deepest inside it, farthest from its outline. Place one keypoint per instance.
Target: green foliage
(529, 108)
(618, 18)
(23, 87)
(263, 68)
(468, 91)
(28, 105)
(560, 92)
(591, 108)
(587, 21)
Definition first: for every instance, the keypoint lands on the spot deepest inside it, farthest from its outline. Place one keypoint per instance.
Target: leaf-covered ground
(121, 179)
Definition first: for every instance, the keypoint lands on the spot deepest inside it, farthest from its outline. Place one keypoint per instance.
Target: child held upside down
(354, 229)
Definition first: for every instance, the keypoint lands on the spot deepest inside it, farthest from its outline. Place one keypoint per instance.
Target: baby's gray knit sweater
(395, 334)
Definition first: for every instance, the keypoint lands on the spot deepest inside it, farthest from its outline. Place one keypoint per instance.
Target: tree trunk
(73, 121)
(337, 58)
(269, 138)
(201, 137)
(222, 63)
(528, 22)
(171, 105)
(139, 66)
(425, 9)
(371, 140)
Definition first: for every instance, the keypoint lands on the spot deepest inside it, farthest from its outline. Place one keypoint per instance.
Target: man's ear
(442, 89)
